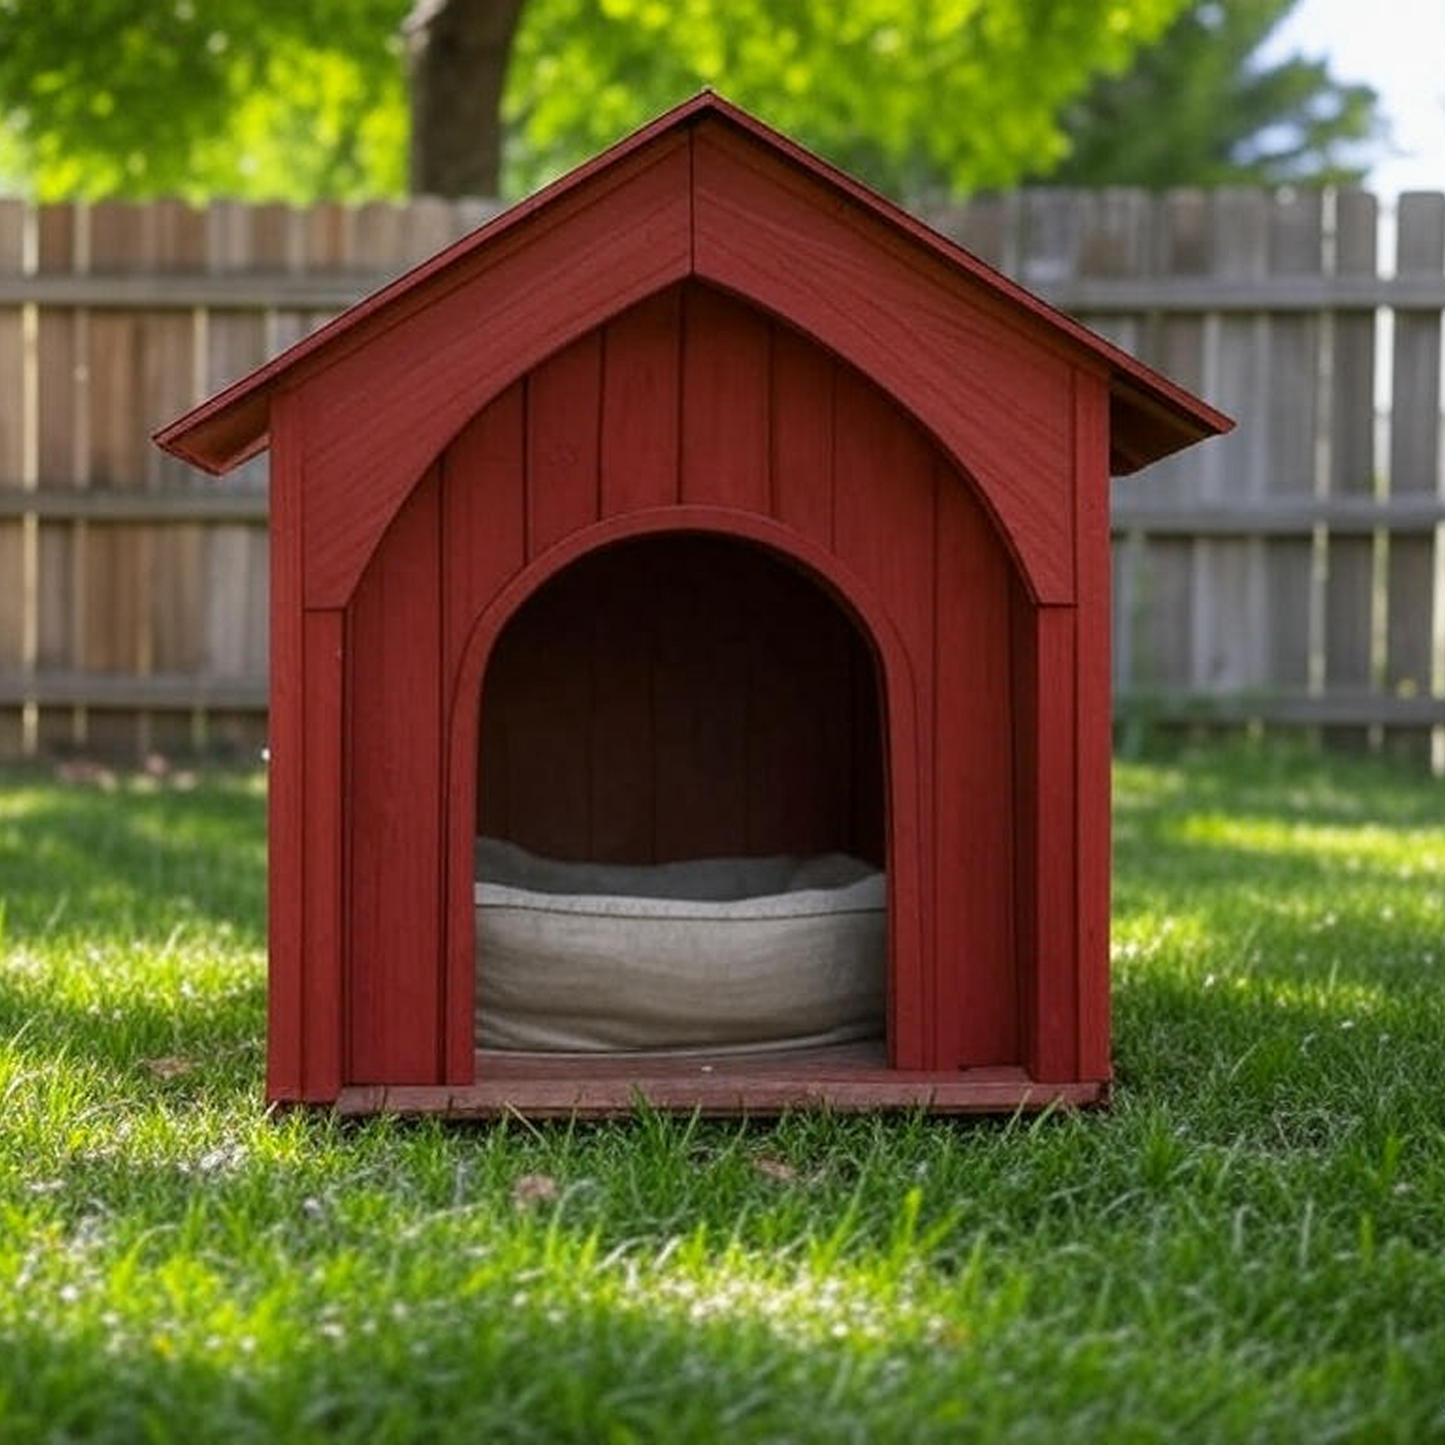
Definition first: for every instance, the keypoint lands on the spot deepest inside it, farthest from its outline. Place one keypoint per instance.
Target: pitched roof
(1150, 416)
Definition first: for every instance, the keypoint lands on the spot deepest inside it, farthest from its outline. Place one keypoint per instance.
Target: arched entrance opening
(681, 809)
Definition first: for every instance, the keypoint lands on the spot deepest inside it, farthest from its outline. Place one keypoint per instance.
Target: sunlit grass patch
(1245, 1246)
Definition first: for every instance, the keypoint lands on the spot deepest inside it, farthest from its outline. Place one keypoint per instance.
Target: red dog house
(704, 503)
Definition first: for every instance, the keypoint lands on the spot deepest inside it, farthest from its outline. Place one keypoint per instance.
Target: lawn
(1249, 1245)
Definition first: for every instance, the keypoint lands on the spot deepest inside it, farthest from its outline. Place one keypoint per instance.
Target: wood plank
(1410, 615)
(801, 461)
(395, 762)
(976, 1006)
(640, 405)
(1288, 517)
(18, 561)
(1092, 715)
(62, 445)
(725, 400)
(564, 396)
(180, 588)
(1413, 588)
(236, 340)
(1229, 581)
(286, 798)
(483, 544)
(184, 691)
(484, 482)
(1338, 707)
(1294, 382)
(884, 489)
(12, 350)
(142, 369)
(229, 622)
(1352, 400)
(1052, 1042)
(324, 983)
(1349, 608)
(54, 502)
(14, 603)
(850, 1078)
(1288, 606)
(1415, 402)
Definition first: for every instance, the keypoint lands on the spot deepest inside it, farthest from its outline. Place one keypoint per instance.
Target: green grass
(1250, 1245)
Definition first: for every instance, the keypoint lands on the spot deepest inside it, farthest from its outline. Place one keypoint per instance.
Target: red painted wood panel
(725, 387)
(994, 389)
(640, 405)
(483, 543)
(396, 784)
(802, 435)
(379, 415)
(976, 1013)
(1091, 510)
(1053, 1041)
(324, 986)
(883, 525)
(484, 484)
(564, 398)
(1023, 650)
(286, 853)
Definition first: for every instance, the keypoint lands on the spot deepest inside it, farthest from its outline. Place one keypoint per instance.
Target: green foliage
(260, 100)
(916, 96)
(1194, 109)
(243, 98)
(1244, 1247)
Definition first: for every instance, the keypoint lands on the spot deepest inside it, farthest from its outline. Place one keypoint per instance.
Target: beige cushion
(711, 954)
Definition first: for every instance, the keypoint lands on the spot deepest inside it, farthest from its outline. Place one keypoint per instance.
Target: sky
(1397, 46)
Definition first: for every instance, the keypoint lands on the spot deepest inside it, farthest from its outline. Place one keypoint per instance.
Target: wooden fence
(1292, 573)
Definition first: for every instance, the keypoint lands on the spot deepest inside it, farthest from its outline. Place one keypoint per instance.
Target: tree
(458, 54)
(1196, 109)
(916, 96)
(258, 99)
(194, 97)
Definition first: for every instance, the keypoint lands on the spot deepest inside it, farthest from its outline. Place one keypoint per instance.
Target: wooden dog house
(704, 448)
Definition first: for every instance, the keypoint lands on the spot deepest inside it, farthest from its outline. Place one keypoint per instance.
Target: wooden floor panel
(850, 1078)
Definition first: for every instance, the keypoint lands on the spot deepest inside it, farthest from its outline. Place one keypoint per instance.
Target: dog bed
(709, 954)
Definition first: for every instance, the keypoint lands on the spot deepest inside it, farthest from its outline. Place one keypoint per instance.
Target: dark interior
(682, 697)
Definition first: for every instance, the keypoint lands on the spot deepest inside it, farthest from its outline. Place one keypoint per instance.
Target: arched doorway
(696, 721)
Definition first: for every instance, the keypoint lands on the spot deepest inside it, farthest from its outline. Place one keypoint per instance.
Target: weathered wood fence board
(1292, 573)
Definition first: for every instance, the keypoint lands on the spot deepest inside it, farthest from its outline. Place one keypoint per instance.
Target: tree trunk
(457, 56)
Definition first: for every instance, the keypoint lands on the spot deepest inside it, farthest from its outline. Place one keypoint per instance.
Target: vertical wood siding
(627, 672)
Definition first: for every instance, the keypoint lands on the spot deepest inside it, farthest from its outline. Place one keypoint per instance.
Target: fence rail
(1292, 574)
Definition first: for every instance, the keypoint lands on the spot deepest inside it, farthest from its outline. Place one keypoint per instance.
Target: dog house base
(848, 1078)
